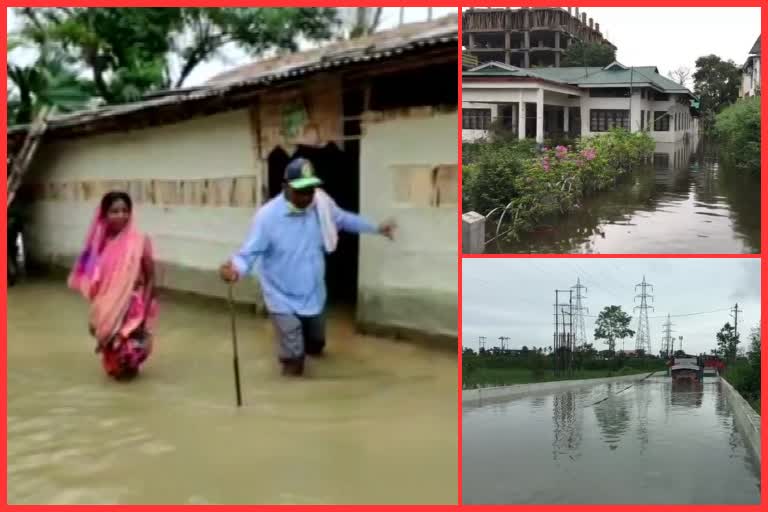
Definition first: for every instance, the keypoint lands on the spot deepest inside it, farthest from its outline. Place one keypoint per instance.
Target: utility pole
(580, 310)
(735, 314)
(563, 336)
(681, 344)
(643, 336)
(481, 343)
(668, 344)
(503, 338)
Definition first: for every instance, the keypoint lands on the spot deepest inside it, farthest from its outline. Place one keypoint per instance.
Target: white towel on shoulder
(325, 206)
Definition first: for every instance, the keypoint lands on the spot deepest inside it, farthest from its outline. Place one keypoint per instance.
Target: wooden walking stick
(235, 361)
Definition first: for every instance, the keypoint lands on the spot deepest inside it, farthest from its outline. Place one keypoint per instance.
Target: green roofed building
(575, 101)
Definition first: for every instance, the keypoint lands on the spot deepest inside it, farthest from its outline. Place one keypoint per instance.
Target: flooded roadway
(375, 422)
(685, 202)
(648, 444)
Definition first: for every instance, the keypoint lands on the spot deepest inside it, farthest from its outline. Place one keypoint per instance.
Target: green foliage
(744, 374)
(727, 343)
(493, 174)
(716, 83)
(613, 324)
(738, 129)
(548, 182)
(127, 52)
(588, 54)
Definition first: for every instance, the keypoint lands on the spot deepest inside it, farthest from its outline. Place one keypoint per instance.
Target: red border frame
(459, 5)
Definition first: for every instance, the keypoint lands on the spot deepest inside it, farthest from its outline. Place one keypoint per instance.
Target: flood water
(650, 443)
(684, 202)
(374, 422)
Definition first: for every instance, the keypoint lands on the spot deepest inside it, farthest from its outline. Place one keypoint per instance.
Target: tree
(47, 82)
(613, 324)
(727, 343)
(588, 54)
(129, 51)
(716, 82)
(681, 74)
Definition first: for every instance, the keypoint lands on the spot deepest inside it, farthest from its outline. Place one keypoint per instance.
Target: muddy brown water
(374, 422)
(686, 201)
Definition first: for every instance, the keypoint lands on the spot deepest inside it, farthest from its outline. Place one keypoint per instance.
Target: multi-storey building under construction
(527, 37)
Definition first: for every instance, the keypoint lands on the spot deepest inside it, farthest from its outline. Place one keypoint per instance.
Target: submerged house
(574, 101)
(750, 79)
(377, 116)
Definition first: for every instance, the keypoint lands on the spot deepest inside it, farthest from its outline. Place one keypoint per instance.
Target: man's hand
(387, 228)
(228, 273)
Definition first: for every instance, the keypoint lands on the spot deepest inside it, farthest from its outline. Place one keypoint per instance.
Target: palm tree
(46, 82)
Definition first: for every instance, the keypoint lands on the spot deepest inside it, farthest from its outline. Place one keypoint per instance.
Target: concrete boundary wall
(746, 419)
(503, 392)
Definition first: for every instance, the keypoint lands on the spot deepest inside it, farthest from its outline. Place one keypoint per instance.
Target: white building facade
(553, 102)
(750, 79)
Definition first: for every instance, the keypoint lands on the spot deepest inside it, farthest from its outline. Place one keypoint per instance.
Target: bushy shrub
(738, 129)
(546, 182)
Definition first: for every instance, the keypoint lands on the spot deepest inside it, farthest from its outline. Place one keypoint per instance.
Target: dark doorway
(340, 176)
(276, 162)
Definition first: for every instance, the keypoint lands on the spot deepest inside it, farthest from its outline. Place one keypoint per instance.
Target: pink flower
(561, 151)
(589, 153)
(545, 163)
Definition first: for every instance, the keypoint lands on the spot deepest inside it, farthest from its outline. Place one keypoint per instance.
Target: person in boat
(287, 242)
(115, 273)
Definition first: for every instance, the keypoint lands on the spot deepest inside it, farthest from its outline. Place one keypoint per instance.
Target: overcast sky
(513, 297)
(669, 37)
(233, 57)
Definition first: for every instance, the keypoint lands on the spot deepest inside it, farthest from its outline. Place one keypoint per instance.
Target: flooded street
(374, 422)
(611, 443)
(685, 202)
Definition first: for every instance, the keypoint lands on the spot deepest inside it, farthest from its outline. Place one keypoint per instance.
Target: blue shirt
(287, 249)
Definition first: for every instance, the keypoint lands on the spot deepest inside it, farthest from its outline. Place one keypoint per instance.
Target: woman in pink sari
(115, 273)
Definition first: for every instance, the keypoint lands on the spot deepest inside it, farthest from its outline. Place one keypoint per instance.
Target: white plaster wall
(194, 237)
(473, 135)
(423, 256)
(638, 104)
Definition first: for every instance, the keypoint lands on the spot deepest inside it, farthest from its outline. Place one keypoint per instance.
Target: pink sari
(111, 273)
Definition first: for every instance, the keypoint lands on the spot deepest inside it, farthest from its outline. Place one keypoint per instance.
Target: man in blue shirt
(287, 244)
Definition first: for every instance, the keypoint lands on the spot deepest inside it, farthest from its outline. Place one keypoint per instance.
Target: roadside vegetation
(528, 185)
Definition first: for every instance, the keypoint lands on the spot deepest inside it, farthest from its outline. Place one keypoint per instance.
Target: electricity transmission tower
(481, 343)
(668, 342)
(643, 335)
(503, 339)
(564, 335)
(579, 311)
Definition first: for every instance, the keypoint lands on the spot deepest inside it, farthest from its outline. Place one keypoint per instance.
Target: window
(642, 120)
(609, 92)
(648, 119)
(604, 120)
(659, 96)
(660, 121)
(675, 121)
(475, 118)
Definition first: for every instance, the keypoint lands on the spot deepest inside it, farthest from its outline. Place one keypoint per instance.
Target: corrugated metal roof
(584, 76)
(756, 47)
(380, 46)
